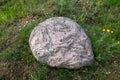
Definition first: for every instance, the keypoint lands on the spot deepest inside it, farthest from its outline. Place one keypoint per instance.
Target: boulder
(61, 42)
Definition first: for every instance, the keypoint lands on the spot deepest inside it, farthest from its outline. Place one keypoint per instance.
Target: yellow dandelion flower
(108, 30)
(103, 30)
(111, 31)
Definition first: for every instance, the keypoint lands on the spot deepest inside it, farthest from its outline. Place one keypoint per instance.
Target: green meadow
(99, 18)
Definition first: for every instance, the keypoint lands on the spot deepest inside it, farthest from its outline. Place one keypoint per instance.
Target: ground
(100, 20)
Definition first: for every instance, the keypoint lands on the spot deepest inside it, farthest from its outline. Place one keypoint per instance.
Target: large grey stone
(61, 42)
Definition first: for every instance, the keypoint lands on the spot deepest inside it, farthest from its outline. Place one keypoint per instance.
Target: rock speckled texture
(61, 42)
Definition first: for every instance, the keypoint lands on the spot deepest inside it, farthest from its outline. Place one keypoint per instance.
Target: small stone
(61, 42)
(108, 73)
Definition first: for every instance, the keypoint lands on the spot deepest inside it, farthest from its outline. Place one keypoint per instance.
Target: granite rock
(61, 42)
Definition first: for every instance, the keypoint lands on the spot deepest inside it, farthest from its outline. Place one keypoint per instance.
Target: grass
(100, 20)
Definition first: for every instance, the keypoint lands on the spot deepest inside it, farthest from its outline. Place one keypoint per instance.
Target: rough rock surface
(61, 42)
